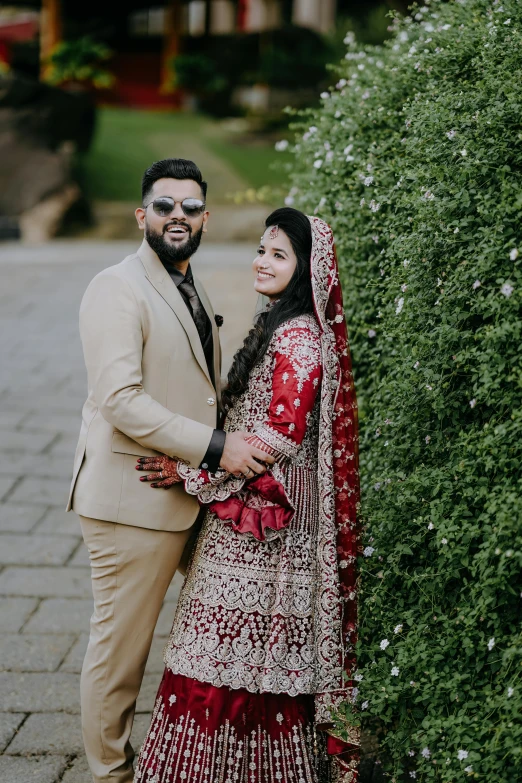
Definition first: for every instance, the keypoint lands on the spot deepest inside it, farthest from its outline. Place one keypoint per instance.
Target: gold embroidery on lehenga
(184, 750)
(259, 615)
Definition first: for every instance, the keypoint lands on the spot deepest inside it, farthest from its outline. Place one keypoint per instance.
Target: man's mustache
(177, 223)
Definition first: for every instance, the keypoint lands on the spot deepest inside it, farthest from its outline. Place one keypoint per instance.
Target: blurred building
(144, 35)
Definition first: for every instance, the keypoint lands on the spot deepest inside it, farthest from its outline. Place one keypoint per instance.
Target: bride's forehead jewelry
(274, 231)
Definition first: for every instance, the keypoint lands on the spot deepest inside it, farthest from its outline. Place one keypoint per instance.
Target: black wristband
(214, 452)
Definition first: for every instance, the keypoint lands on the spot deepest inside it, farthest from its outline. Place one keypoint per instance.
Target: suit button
(211, 401)
(204, 466)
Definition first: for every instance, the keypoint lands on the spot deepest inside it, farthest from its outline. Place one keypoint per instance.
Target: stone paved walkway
(45, 598)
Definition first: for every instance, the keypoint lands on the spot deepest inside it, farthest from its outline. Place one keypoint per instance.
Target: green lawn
(127, 141)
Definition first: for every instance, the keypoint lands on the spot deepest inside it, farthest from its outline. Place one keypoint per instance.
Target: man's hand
(242, 457)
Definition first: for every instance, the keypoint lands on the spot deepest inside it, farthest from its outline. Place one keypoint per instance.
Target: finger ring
(249, 471)
(161, 475)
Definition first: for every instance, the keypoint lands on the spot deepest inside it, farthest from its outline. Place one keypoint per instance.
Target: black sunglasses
(165, 205)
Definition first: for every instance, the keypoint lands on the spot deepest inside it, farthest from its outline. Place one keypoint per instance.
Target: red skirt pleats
(203, 734)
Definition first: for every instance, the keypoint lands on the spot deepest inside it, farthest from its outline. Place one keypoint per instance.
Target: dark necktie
(200, 318)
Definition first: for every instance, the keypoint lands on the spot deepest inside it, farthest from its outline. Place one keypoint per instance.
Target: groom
(152, 353)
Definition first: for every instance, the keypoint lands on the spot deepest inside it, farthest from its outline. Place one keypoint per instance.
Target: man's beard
(173, 254)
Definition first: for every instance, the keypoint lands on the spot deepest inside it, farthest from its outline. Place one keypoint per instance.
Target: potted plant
(79, 65)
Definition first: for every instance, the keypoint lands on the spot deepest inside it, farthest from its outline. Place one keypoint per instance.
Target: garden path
(45, 599)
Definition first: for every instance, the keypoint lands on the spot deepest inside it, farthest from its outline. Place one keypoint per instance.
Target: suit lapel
(160, 279)
(215, 333)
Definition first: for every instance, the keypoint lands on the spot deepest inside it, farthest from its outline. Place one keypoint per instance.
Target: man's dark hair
(173, 168)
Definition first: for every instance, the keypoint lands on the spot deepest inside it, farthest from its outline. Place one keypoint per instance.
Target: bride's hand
(166, 474)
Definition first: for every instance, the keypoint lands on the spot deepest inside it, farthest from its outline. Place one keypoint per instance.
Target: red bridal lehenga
(262, 645)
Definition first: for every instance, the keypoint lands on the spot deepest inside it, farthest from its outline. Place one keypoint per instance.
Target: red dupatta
(338, 468)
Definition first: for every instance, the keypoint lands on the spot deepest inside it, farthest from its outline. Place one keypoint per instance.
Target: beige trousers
(132, 568)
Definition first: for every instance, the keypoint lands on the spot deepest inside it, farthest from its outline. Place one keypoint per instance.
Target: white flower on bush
(472, 403)
(464, 152)
(358, 677)
(395, 671)
(468, 769)
(329, 155)
(427, 438)
(341, 83)
(384, 644)
(362, 202)
(413, 774)
(411, 753)
(462, 754)
(318, 163)
(374, 205)
(510, 692)
(371, 333)
(348, 149)
(398, 628)
(491, 643)
(444, 541)
(429, 196)
(508, 21)
(476, 285)
(325, 95)
(426, 753)
(456, 230)
(507, 289)
(368, 551)
(349, 38)
(404, 287)
(312, 129)
(365, 705)
(368, 181)
(451, 134)
(514, 254)
(416, 365)
(431, 526)
(282, 145)
(400, 305)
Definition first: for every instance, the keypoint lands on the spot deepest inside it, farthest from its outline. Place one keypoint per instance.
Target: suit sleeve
(112, 339)
(295, 383)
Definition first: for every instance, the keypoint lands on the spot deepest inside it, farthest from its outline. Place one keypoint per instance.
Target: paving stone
(61, 615)
(68, 423)
(65, 446)
(149, 689)
(155, 663)
(6, 485)
(19, 518)
(58, 521)
(80, 557)
(139, 730)
(9, 722)
(32, 442)
(14, 613)
(49, 466)
(48, 582)
(52, 732)
(41, 490)
(9, 420)
(78, 772)
(14, 463)
(33, 652)
(31, 549)
(40, 692)
(74, 661)
(175, 587)
(166, 618)
(46, 769)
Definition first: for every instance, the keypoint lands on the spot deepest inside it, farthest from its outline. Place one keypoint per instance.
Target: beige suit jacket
(149, 392)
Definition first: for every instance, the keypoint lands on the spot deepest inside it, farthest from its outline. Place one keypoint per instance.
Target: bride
(262, 645)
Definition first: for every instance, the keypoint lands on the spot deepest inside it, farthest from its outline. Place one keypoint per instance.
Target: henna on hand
(166, 474)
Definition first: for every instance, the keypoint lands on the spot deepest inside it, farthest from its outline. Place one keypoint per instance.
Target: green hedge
(415, 159)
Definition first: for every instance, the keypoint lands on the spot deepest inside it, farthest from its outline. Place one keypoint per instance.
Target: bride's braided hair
(295, 300)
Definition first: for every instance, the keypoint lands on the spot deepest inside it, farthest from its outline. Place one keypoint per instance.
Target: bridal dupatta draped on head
(338, 484)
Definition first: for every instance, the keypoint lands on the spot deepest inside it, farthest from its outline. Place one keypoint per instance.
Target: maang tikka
(274, 231)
